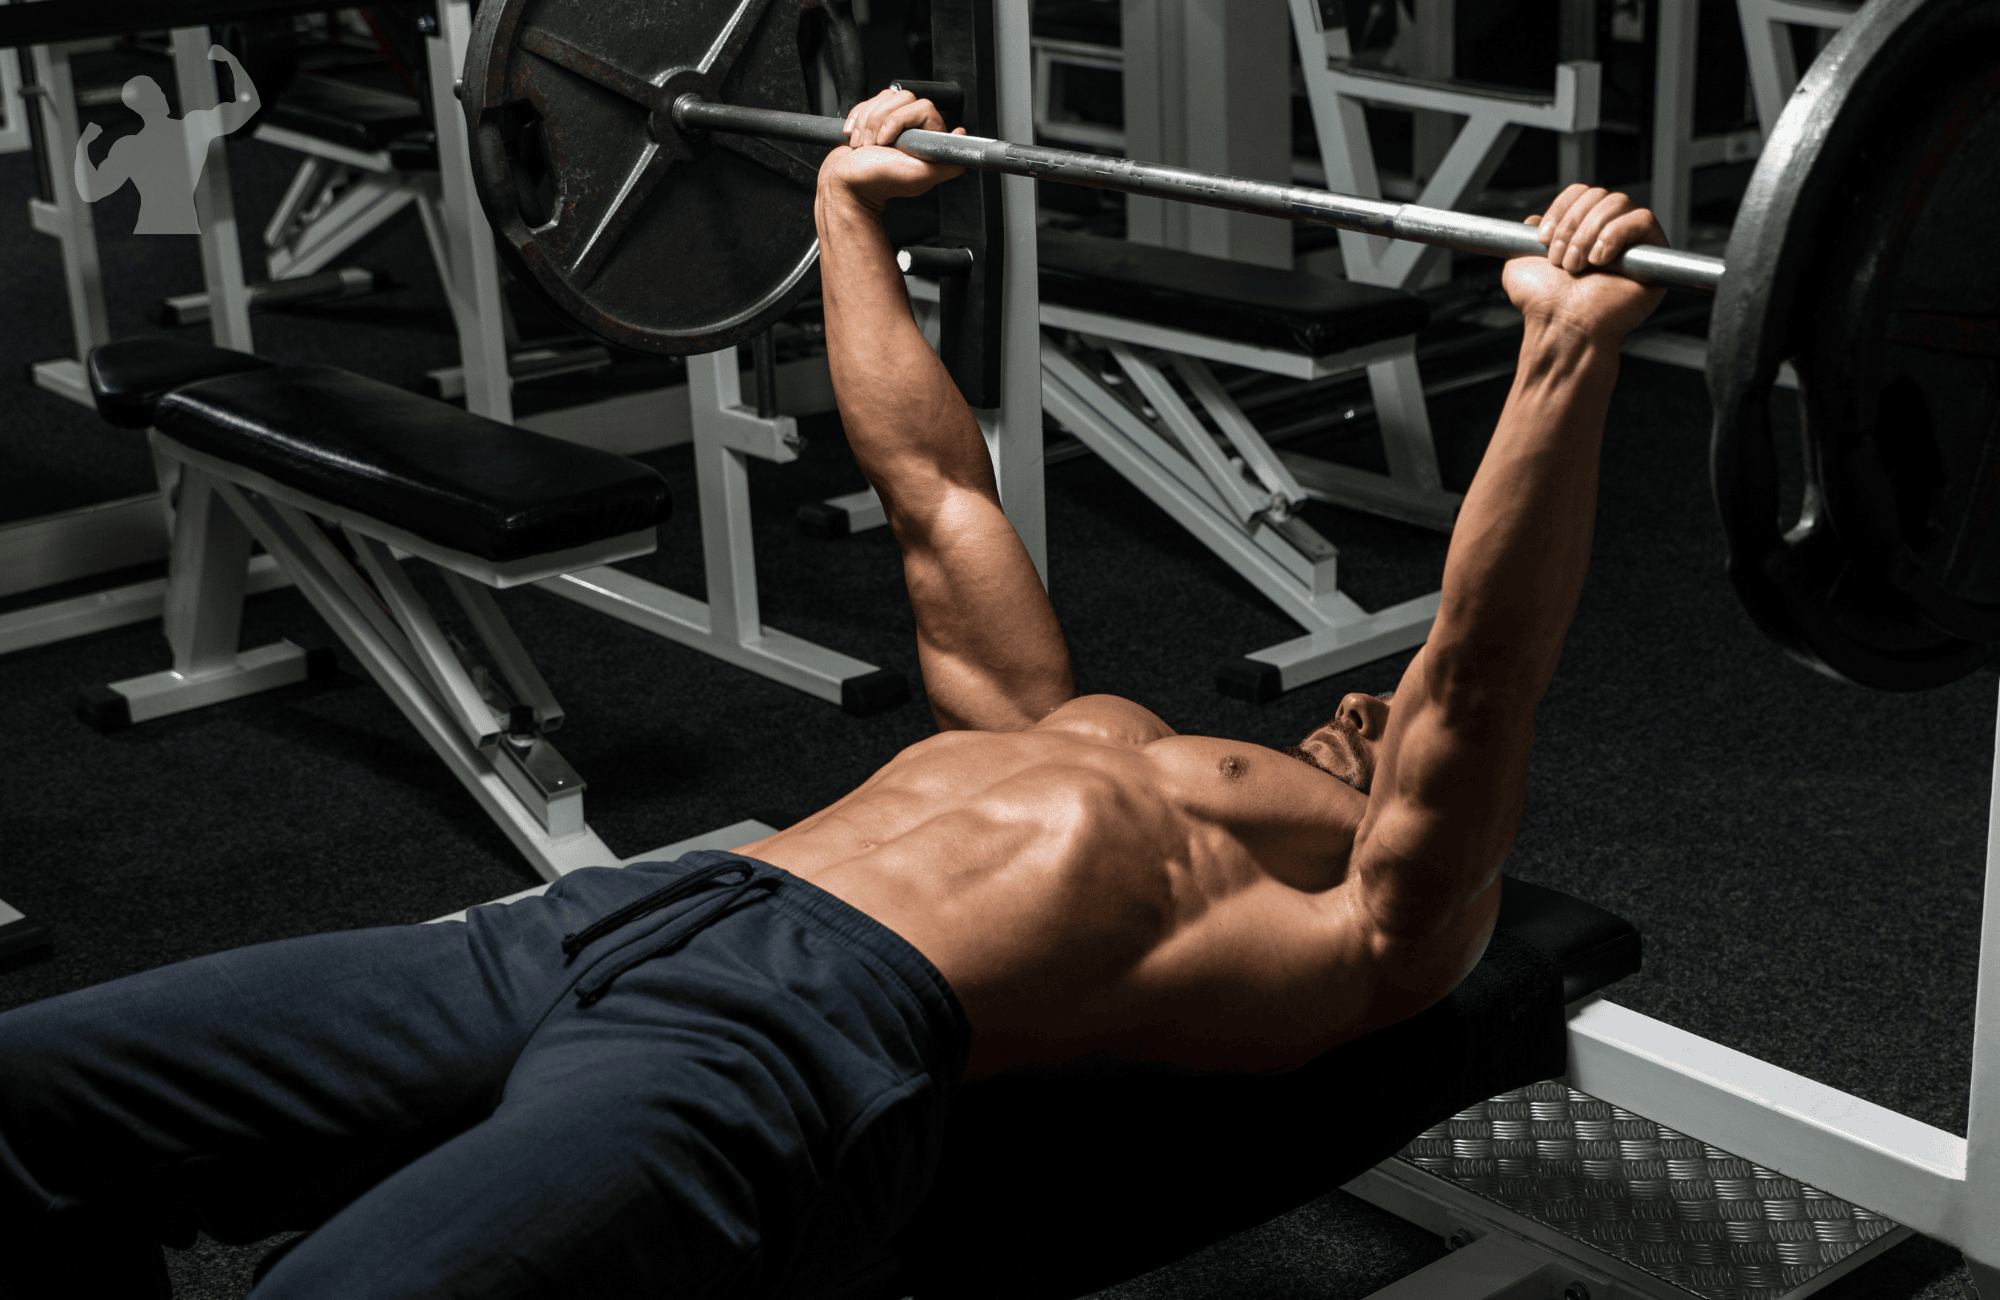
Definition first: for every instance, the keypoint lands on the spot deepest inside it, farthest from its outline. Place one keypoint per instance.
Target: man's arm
(992, 654)
(1451, 769)
(94, 183)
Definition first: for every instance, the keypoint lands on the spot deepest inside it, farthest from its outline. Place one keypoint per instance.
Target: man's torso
(1102, 887)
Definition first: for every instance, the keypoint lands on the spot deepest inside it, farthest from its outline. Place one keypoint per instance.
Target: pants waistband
(738, 879)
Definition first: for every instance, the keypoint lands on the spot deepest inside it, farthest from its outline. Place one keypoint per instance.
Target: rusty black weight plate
(646, 237)
(1863, 253)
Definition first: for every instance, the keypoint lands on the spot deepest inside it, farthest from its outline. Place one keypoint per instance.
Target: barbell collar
(1410, 221)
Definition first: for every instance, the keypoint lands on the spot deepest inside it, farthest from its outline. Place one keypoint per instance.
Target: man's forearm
(1522, 542)
(902, 413)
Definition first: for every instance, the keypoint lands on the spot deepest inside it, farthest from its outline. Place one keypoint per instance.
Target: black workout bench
(338, 478)
(1061, 1184)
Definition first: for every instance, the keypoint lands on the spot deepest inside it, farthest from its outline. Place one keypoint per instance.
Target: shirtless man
(728, 1075)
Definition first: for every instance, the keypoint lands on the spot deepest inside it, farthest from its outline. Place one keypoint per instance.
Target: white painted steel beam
(1864, 1153)
(137, 602)
(551, 856)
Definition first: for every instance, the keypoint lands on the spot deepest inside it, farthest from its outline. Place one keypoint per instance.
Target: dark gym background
(1804, 858)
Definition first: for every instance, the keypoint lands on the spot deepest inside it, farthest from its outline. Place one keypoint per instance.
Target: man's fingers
(865, 123)
(1546, 223)
(1563, 233)
(1583, 241)
(918, 115)
(1628, 231)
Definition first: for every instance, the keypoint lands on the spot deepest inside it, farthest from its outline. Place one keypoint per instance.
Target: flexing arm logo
(166, 157)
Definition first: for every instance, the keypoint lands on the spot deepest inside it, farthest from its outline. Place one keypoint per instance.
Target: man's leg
(744, 1111)
(263, 1089)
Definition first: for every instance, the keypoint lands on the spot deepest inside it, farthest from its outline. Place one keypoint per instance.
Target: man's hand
(868, 169)
(1583, 229)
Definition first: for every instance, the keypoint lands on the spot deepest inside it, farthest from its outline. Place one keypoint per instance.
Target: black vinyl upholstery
(1259, 305)
(1591, 947)
(1061, 1184)
(343, 113)
(458, 480)
(128, 378)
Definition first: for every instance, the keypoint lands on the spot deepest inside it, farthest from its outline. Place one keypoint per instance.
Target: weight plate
(1851, 257)
(1905, 403)
(645, 236)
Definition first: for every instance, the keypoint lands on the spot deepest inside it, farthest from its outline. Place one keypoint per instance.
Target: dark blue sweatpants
(724, 1082)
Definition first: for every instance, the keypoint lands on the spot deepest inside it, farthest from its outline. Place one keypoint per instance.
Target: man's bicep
(993, 655)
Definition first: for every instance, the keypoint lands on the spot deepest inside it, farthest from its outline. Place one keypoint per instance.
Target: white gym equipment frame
(81, 543)
(460, 706)
(1338, 93)
(1338, 90)
(729, 624)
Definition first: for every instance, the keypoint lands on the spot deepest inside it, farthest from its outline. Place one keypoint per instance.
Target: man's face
(143, 96)
(1344, 746)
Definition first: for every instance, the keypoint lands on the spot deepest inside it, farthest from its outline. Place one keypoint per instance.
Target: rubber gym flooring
(1803, 857)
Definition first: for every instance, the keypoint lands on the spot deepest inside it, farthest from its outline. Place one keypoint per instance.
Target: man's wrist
(839, 201)
(1555, 348)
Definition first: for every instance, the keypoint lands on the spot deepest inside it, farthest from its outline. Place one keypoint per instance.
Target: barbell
(1408, 221)
(650, 166)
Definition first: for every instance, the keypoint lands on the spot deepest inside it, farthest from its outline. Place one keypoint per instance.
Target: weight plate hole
(524, 136)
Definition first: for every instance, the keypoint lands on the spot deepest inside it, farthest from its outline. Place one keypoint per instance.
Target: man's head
(143, 96)
(1344, 745)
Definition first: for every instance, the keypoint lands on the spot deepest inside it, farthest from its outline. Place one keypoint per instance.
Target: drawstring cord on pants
(675, 934)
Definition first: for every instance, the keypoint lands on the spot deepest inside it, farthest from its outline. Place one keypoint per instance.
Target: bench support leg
(730, 625)
(545, 825)
(207, 576)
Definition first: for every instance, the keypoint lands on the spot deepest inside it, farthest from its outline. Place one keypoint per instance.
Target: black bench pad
(458, 480)
(1259, 305)
(128, 378)
(1591, 946)
(343, 113)
(1056, 1186)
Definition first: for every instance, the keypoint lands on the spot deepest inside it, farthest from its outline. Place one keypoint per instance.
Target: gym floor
(1803, 857)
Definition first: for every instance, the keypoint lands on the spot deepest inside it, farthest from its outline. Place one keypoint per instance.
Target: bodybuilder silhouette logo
(166, 157)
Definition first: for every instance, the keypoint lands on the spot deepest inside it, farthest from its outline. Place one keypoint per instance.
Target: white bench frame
(454, 701)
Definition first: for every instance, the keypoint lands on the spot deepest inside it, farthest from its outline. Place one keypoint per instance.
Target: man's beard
(1357, 774)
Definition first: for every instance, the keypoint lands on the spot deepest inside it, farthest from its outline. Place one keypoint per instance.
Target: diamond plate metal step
(1648, 1211)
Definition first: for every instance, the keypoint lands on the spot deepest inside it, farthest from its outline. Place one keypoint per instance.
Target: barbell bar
(1409, 221)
